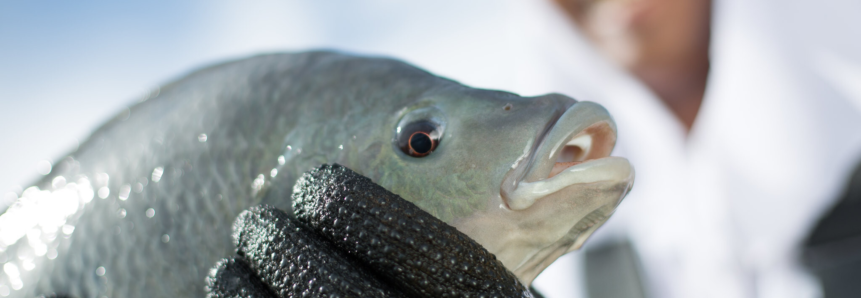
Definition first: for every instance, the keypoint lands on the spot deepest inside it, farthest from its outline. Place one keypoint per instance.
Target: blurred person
(741, 119)
(664, 43)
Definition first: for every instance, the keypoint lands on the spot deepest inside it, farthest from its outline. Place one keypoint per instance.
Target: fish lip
(519, 169)
(606, 169)
(539, 168)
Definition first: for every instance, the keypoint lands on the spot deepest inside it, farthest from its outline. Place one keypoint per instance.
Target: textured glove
(352, 238)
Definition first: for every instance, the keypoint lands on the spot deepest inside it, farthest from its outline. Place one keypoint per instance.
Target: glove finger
(410, 247)
(233, 279)
(297, 263)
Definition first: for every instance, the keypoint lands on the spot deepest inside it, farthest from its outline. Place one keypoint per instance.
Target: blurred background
(742, 117)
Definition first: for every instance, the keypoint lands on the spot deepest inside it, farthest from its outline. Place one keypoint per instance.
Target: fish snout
(569, 189)
(575, 150)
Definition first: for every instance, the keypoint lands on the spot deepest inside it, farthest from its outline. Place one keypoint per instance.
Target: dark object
(833, 249)
(613, 271)
(295, 262)
(421, 143)
(235, 279)
(352, 238)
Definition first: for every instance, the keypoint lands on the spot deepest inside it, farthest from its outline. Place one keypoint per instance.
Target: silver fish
(145, 206)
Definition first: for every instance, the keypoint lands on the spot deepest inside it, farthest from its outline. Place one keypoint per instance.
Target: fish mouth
(569, 188)
(575, 149)
(558, 192)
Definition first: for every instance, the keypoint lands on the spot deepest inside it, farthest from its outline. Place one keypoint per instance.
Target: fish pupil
(421, 142)
(419, 138)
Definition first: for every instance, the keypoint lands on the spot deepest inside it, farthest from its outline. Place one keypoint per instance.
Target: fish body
(144, 207)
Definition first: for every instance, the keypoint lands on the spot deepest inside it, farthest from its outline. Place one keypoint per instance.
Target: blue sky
(67, 66)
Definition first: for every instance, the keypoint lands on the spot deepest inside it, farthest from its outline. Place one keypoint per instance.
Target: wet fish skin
(177, 168)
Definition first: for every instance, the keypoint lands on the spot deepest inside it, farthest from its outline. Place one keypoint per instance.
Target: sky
(66, 67)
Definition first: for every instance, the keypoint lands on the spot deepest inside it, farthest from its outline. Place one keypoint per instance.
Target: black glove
(352, 238)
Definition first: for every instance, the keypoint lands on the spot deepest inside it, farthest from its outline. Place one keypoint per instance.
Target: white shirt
(723, 212)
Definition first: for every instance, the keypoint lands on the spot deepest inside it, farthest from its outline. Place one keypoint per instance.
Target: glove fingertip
(294, 261)
(248, 218)
(231, 278)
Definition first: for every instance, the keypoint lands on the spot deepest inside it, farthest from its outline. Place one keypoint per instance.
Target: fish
(144, 206)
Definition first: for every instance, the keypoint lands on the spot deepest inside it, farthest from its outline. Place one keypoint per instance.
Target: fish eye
(418, 139)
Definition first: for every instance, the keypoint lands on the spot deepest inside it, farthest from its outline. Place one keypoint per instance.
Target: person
(663, 43)
(740, 119)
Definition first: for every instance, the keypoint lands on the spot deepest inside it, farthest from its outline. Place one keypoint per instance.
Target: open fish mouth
(575, 150)
(568, 188)
(558, 192)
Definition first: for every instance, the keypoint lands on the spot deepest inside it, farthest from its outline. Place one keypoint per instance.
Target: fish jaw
(553, 203)
(593, 171)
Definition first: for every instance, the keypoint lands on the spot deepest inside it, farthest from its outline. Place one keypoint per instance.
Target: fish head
(529, 178)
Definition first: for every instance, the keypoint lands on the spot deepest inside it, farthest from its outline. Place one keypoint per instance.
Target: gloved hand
(352, 238)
